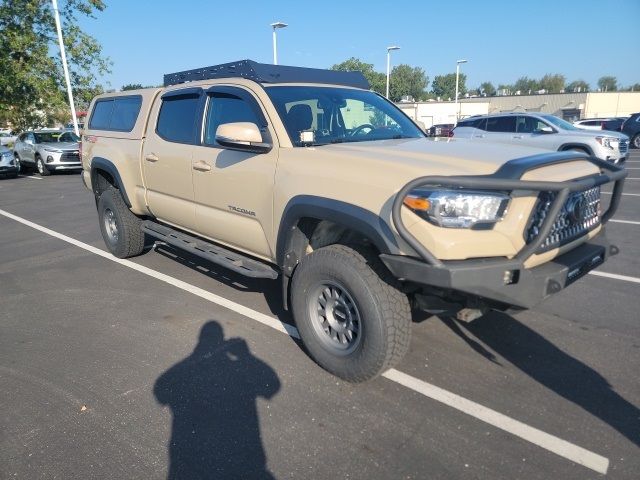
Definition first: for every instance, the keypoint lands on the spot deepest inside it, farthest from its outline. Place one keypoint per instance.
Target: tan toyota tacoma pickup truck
(308, 176)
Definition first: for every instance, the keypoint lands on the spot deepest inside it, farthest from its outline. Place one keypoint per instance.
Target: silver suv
(543, 131)
(48, 151)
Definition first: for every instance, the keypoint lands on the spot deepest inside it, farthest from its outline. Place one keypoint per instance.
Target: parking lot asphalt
(169, 366)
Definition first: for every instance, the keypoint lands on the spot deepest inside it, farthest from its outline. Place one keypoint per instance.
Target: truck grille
(579, 215)
(70, 157)
(623, 146)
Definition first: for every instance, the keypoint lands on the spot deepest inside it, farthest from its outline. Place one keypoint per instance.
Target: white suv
(543, 131)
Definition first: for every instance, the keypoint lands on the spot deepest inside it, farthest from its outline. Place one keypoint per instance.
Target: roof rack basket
(266, 73)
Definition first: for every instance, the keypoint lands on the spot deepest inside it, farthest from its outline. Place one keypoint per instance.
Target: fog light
(49, 159)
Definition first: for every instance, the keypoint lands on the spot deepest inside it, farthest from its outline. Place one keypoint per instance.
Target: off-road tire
(129, 238)
(384, 312)
(41, 167)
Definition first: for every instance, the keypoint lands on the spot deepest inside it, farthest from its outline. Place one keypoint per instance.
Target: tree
(578, 86)
(526, 85)
(444, 86)
(377, 80)
(608, 84)
(488, 89)
(32, 86)
(634, 88)
(552, 83)
(407, 80)
(131, 86)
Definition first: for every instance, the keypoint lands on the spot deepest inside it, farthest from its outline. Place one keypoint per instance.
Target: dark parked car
(631, 128)
(614, 124)
(440, 130)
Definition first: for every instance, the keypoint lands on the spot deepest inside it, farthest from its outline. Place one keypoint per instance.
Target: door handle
(202, 166)
(152, 157)
(517, 136)
(479, 136)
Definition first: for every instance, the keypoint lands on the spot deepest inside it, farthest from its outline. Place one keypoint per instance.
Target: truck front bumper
(503, 280)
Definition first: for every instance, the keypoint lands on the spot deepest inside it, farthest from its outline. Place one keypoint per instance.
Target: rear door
(498, 129)
(175, 123)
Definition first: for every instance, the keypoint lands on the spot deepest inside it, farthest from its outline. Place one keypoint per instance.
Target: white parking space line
(631, 222)
(30, 176)
(626, 194)
(632, 178)
(632, 168)
(615, 276)
(537, 437)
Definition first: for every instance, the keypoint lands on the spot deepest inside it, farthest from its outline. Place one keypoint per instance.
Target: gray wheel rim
(110, 226)
(40, 165)
(335, 317)
(636, 141)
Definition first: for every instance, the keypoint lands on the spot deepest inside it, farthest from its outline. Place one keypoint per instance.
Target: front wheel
(352, 318)
(635, 141)
(120, 228)
(42, 168)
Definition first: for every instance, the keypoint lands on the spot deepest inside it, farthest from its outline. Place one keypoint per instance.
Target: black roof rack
(266, 73)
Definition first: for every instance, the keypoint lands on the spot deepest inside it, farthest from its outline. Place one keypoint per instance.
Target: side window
(526, 124)
(226, 108)
(101, 116)
(118, 113)
(125, 113)
(501, 124)
(177, 118)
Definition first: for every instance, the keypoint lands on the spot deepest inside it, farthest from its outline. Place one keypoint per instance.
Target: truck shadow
(271, 289)
(212, 395)
(548, 365)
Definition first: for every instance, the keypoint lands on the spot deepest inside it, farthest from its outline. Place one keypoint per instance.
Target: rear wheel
(352, 318)
(120, 228)
(42, 168)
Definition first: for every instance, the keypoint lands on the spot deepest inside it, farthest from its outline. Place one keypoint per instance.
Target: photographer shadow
(544, 362)
(212, 395)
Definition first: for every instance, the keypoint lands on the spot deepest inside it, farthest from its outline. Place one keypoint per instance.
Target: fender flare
(567, 146)
(342, 213)
(99, 163)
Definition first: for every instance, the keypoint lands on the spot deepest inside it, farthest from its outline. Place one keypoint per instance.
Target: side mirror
(28, 141)
(243, 136)
(546, 130)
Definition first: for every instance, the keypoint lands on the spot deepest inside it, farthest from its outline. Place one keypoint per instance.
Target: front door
(234, 189)
(167, 156)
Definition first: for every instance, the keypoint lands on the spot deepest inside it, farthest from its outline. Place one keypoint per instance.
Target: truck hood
(64, 146)
(593, 134)
(440, 157)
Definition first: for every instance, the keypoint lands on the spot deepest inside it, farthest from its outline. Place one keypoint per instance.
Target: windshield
(336, 115)
(46, 137)
(560, 123)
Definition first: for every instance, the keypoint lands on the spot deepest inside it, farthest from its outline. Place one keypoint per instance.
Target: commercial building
(570, 106)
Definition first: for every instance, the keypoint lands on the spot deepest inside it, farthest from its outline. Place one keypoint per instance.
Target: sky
(502, 40)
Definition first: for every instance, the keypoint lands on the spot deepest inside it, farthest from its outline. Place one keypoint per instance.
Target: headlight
(52, 150)
(455, 209)
(605, 141)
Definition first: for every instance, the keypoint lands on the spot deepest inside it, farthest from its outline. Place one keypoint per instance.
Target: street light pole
(393, 47)
(275, 26)
(457, 77)
(64, 67)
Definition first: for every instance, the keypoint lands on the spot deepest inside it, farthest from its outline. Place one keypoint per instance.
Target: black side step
(221, 256)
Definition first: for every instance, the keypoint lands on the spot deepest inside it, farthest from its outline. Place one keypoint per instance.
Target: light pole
(393, 47)
(458, 76)
(275, 26)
